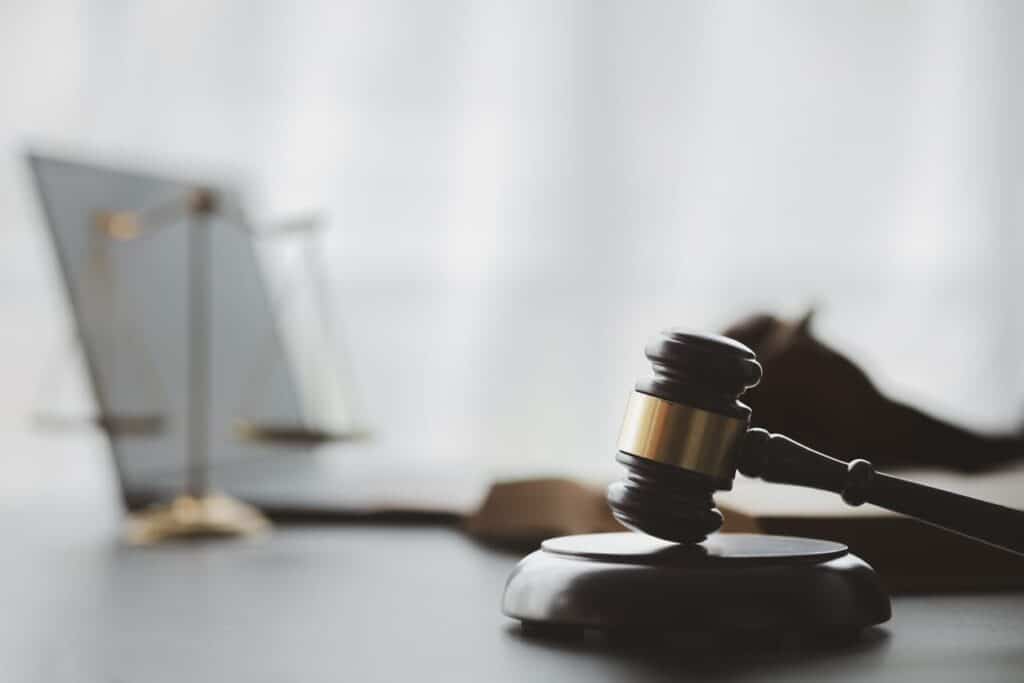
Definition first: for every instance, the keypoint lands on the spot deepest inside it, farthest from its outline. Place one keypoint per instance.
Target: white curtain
(519, 193)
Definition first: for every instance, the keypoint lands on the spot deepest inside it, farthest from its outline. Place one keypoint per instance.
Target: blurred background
(517, 195)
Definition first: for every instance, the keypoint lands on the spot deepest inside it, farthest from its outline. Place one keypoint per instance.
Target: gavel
(686, 434)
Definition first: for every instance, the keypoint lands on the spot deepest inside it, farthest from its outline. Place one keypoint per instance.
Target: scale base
(213, 515)
(631, 583)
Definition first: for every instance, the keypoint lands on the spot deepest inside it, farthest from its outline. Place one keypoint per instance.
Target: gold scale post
(197, 512)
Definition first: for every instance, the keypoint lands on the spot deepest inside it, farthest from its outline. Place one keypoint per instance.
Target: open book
(910, 555)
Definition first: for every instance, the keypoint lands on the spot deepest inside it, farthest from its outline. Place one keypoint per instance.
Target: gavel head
(682, 434)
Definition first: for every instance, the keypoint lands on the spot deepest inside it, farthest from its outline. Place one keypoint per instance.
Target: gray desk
(387, 603)
(363, 603)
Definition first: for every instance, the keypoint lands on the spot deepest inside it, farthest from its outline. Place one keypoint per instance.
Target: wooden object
(633, 583)
(910, 556)
(689, 440)
(809, 391)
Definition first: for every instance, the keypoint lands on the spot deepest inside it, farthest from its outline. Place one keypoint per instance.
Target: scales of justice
(197, 510)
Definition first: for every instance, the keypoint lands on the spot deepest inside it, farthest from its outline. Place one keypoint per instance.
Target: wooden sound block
(729, 583)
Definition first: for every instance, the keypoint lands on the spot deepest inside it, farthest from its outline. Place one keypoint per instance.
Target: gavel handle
(779, 459)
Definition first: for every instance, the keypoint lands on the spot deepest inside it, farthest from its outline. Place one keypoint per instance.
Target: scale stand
(209, 515)
(197, 512)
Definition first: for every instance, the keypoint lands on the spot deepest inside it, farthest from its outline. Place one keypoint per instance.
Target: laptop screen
(129, 297)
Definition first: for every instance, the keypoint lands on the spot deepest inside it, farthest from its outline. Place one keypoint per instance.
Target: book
(910, 555)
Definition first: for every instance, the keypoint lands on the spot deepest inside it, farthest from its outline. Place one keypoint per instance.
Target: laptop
(127, 284)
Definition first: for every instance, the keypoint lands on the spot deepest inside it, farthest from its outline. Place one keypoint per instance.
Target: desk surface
(373, 603)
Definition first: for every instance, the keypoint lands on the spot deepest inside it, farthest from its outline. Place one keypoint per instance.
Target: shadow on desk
(702, 653)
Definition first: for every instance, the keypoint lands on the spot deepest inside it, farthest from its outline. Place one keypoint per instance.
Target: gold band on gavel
(683, 436)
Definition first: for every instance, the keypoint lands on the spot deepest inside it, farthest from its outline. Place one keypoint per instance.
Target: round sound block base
(628, 582)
